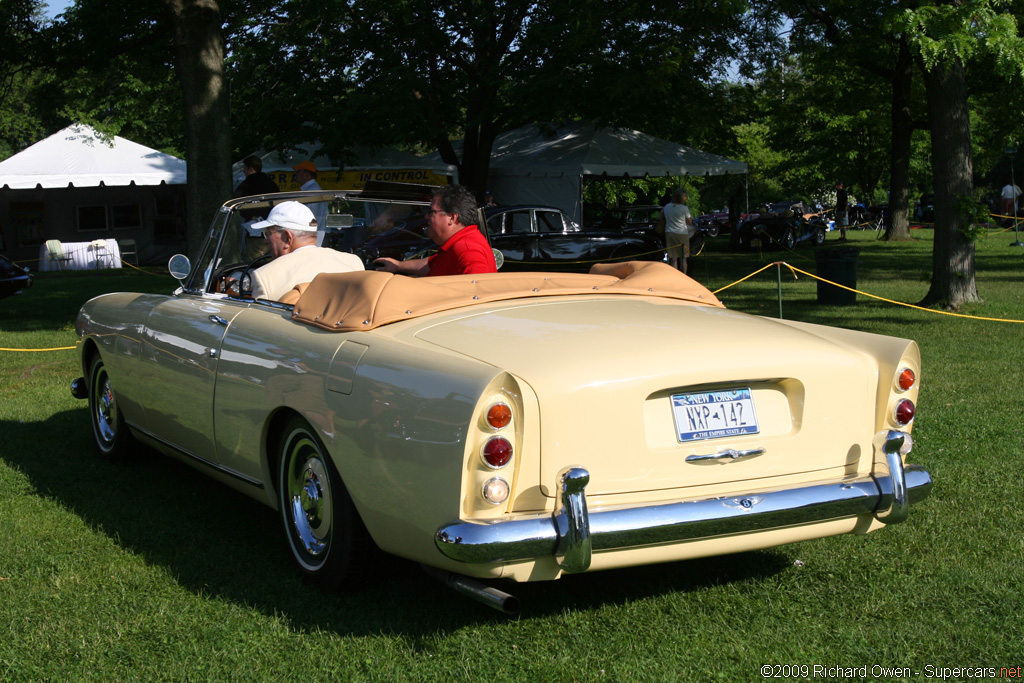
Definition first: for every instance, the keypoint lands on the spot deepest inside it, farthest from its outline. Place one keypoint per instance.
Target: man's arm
(414, 267)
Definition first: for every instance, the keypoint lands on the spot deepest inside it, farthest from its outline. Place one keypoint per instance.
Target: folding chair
(128, 251)
(57, 254)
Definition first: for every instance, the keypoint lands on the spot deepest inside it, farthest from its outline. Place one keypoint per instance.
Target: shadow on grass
(218, 542)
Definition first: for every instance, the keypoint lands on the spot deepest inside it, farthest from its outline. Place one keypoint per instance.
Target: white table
(84, 256)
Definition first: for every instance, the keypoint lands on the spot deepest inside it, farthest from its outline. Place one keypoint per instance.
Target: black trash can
(838, 265)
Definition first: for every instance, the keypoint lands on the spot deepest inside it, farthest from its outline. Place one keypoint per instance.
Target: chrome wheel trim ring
(308, 492)
(104, 408)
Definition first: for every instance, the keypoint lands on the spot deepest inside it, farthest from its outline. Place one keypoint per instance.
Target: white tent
(546, 165)
(78, 156)
(368, 164)
(77, 187)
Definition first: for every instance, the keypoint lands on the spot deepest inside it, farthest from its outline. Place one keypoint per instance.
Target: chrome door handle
(728, 455)
(219, 320)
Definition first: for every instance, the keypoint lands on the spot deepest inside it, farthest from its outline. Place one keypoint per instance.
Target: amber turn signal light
(499, 415)
(906, 379)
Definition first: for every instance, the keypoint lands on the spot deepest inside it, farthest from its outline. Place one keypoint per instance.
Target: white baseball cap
(290, 216)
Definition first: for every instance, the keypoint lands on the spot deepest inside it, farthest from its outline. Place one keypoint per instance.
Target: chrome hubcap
(105, 409)
(309, 494)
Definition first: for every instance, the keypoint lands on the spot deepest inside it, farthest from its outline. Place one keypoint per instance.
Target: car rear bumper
(572, 534)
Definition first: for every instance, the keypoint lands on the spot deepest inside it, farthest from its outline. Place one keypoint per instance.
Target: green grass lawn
(148, 571)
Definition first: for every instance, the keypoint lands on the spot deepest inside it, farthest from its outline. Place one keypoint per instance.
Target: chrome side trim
(195, 458)
(542, 535)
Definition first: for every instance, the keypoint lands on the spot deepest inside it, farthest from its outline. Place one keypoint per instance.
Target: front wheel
(712, 230)
(325, 535)
(788, 239)
(111, 435)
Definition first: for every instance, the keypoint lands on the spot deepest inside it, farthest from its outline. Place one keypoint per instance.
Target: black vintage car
(783, 231)
(528, 238)
(638, 217)
(13, 278)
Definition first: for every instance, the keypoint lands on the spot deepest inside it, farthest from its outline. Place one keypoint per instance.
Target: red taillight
(499, 415)
(904, 412)
(906, 379)
(497, 452)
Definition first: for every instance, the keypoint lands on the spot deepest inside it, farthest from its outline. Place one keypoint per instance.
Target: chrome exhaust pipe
(492, 597)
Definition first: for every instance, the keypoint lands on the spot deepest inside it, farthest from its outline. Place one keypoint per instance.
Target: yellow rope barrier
(140, 269)
(722, 289)
(795, 270)
(134, 267)
(792, 269)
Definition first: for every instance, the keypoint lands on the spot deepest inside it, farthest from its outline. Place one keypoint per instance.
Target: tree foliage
(22, 87)
(421, 73)
(944, 36)
(830, 91)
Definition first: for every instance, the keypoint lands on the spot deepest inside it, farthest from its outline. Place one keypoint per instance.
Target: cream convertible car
(511, 425)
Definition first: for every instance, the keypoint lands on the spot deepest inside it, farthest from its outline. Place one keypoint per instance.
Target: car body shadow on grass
(215, 541)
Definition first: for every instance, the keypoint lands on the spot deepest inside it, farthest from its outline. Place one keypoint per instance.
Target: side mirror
(179, 267)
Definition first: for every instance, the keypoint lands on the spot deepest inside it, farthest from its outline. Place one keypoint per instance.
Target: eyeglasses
(267, 232)
(430, 213)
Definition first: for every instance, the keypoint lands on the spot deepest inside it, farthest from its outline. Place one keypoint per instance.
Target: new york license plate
(714, 414)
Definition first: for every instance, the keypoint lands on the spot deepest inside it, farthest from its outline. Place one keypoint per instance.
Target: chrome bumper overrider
(572, 533)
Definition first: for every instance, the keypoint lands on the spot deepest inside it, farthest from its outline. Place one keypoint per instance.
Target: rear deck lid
(645, 393)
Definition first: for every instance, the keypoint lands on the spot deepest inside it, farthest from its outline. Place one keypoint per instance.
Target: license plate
(714, 414)
(755, 242)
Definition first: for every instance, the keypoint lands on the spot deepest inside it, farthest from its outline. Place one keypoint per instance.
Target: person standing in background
(842, 210)
(256, 183)
(1009, 195)
(305, 176)
(678, 229)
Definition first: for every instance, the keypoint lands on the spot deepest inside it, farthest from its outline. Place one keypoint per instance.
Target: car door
(181, 346)
(512, 234)
(559, 241)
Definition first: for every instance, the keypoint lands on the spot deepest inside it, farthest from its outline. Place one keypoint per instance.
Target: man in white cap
(290, 231)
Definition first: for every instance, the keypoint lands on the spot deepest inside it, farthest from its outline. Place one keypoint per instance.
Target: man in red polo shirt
(462, 249)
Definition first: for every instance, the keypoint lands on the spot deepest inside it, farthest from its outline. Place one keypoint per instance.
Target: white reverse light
(496, 491)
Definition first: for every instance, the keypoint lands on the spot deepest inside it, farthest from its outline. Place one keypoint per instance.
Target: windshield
(234, 242)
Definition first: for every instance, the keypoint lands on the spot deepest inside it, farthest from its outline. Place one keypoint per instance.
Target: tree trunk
(898, 227)
(199, 65)
(952, 254)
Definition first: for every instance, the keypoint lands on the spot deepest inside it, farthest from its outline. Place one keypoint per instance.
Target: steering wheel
(234, 279)
(244, 286)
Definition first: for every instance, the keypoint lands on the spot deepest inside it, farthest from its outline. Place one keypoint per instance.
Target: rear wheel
(818, 238)
(325, 535)
(111, 435)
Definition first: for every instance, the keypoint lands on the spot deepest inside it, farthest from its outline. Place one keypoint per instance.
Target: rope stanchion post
(1014, 192)
(778, 277)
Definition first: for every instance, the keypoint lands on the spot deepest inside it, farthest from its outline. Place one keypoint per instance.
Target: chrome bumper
(572, 533)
